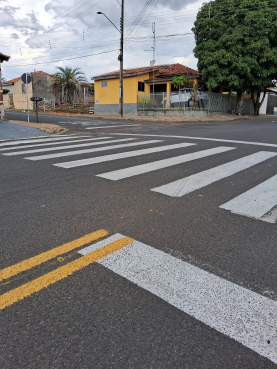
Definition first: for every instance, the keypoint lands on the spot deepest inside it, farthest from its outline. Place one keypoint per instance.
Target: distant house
(40, 86)
(136, 82)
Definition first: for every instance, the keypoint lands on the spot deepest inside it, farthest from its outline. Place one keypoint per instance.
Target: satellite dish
(152, 62)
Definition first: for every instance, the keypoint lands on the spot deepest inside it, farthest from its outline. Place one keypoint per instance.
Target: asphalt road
(192, 286)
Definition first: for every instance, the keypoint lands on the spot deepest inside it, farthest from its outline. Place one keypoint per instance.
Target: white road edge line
(126, 125)
(200, 138)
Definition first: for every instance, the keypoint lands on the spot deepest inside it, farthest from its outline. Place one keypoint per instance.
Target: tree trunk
(256, 102)
(239, 105)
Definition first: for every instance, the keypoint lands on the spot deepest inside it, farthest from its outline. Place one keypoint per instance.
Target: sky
(43, 34)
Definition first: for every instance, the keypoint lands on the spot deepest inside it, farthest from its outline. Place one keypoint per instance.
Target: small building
(40, 86)
(136, 82)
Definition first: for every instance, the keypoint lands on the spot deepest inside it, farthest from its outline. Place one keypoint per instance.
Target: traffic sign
(26, 76)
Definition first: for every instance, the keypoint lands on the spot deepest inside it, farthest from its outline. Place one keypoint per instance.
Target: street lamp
(120, 56)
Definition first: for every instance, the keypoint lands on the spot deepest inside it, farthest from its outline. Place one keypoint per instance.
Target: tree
(236, 45)
(67, 81)
(181, 81)
(5, 91)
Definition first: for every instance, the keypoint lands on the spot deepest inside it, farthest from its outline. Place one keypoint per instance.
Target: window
(141, 86)
(23, 87)
(104, 84)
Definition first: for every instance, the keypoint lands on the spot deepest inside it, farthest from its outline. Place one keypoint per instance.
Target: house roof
(129, 72)
(18, 78)
(177, 69)
(167, 70)
(4, 57)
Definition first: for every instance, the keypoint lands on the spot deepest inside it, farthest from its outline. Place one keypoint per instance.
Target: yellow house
(136, 82)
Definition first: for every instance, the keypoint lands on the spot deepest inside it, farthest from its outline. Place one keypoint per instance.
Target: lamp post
(120, 57)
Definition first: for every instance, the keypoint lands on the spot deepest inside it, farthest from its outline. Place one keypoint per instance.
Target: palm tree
(67, 81)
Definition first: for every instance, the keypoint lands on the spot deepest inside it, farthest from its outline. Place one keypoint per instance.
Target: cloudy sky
(44, 34)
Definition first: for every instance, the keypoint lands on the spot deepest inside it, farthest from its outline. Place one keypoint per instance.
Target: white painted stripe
(79, 152)
(52, 144)
(98, 245)
(53, 139)
(201, 138)
(149, 167)
(118, 126)
(68, 146)
(122, 155)
(256, 202)
(238, 313)
(192, 183)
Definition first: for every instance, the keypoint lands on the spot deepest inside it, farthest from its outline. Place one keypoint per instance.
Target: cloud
(52, 30)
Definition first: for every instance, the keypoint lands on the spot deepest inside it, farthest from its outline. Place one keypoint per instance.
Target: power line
(56, 61)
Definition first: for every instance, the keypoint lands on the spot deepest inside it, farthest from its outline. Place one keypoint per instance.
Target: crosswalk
(259, 202)
(92, 125)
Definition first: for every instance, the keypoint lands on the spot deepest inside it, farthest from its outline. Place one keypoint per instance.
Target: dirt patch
(44, 127)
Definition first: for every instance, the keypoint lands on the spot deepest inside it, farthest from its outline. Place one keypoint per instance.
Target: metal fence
(192, 100)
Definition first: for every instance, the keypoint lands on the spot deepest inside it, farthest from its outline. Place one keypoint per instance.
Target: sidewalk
(10, 130)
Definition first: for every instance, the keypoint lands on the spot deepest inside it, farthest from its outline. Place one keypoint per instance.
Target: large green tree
(67, 80)
(236, 45)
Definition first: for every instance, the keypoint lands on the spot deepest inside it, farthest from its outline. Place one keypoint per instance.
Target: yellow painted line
(46, 280)
(48, 255)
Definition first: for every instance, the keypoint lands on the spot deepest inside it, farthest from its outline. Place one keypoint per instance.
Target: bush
(5, 91)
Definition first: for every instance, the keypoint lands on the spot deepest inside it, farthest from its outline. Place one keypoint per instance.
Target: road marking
(257, 202)
(149, 167)
(119, 126)
(78, 152)
(53, 139)
(200, 138)
(46, 280)
(52, 143)
(192, 183)
(87, 250)
(48, 255)
(122, 155)
(241, 314)
(68, 146)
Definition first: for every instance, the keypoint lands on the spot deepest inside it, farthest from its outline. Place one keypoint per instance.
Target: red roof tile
(132, 71)
(164, 71)
(177, 69)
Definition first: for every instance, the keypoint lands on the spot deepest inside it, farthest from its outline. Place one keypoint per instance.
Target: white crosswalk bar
(196, 181)
(69, 146)
(236, 312)
(257, 202)
(19, 142)
(87, 151)
(119, 126)
(149, 167)
(53, 143)
(122, 155)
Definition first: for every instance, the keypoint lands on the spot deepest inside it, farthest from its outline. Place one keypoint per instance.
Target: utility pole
(121, 60)
(26, 87)
(120, 56)
(154, 46)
